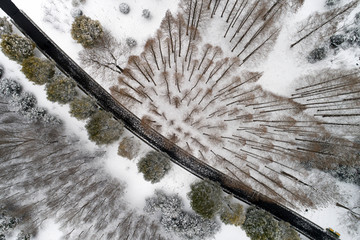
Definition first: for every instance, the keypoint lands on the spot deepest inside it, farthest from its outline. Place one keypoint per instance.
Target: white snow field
(280, 69)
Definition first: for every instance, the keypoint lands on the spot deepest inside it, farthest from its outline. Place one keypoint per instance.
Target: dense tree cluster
(25, 104)
(174, 219)
(38, 70)
(44, 172)
(154, 165)
(86, 31)
(82, 108)
(16, 47)
(206, 198)
(102, 128)
(129, 147)
(61, 89)
(10, 223)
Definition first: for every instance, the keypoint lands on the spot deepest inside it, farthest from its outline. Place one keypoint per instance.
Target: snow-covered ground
(281, 68)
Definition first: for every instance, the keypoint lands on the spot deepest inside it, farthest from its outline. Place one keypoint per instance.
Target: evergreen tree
(82, 108)
(1, 71)
(9, 87)
(5, 26)
(260, 225)
(86, 31)
(205, 198)
(154, 166)
(174, 219)
(37, 70)
(61, 89)
(24, 103)
(16, 47)
(233, 213)
(286, 232)
(102, 128)
(128, 148)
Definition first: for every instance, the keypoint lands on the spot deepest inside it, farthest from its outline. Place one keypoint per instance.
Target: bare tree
(107, 59)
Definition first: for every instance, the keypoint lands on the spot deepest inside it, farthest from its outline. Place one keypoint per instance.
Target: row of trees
(101, 127)
(9, 224)
(208, 201)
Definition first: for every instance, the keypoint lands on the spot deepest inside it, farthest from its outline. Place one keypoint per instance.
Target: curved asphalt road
(151, 137)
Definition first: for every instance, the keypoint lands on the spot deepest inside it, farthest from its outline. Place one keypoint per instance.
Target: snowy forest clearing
(250, 86)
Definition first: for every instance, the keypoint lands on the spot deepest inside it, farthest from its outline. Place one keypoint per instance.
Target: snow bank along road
(153, 138)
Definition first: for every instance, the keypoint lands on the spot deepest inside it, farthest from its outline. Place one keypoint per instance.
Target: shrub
(336, 40)
(357, 18)
(131, 42)
(76, 12)
(82, 108)
(154, 166)
(9, 87)
(260, 225)
(128, 148)
(205, 198)
(102, 128)
(76, 3)
(37, 70)
(5, 26)
(331, 3)
(184, 224)
(317, 54)
(16, 47)
(61, 90)
(233, 214)
(354, 37)
(146, 13)
(124, 8)
(86, 31)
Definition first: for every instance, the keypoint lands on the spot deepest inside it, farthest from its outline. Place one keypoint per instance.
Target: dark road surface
(151, 137)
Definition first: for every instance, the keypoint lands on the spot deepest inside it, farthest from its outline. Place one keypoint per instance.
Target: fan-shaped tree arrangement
(200, 92)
